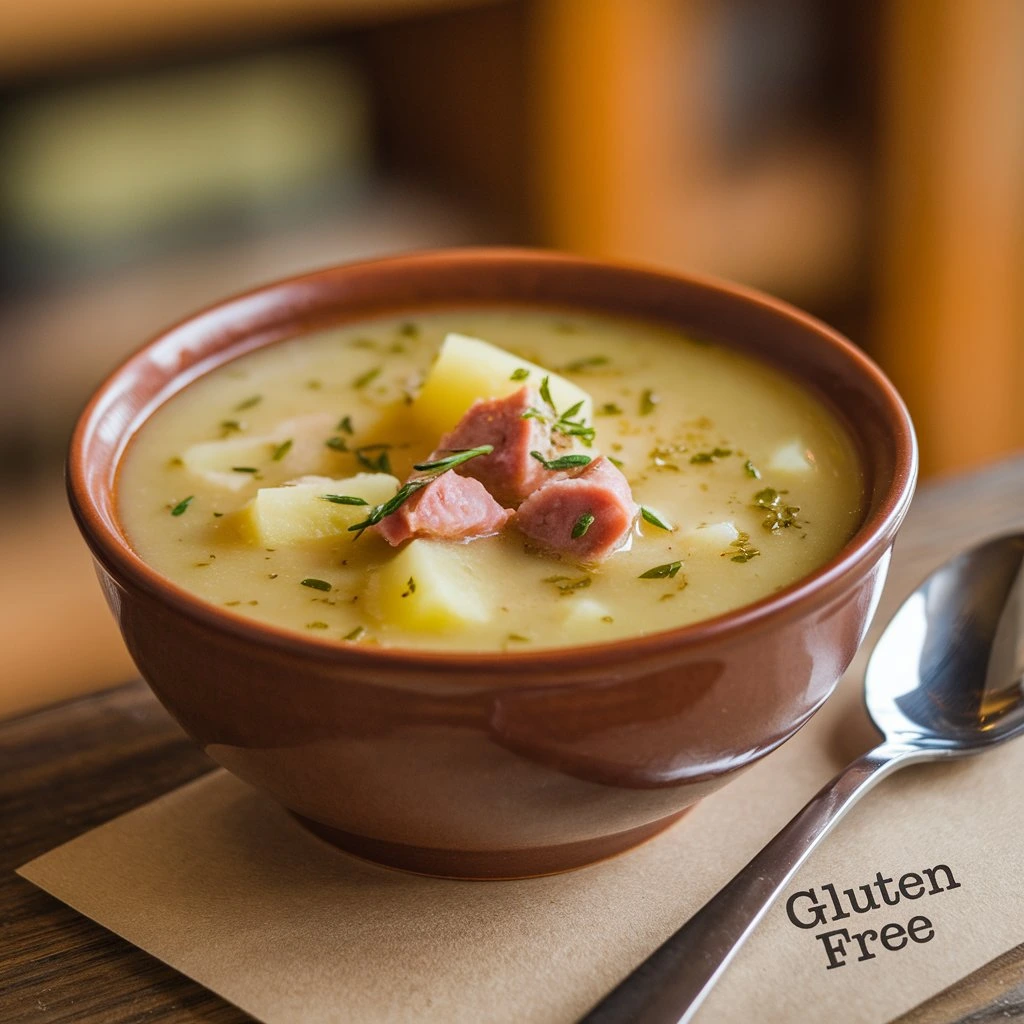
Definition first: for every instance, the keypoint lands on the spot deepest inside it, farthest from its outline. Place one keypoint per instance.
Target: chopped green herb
(584, 523)
(518, 639)
(457, 457)
(652, 517)
(545, 392)
(316, 625)
(712, 456)
(337, 444)
(562, 462)
(230, 426)
(379, 463)
(617, 463)
(571, 586)
(409, 330)
(312, 581)
(408, 489)
(244, 469)
(607, 618)
(648, 401)
(410, 587)
(587, 363)
(175, 461)
(751, 470)
(343, 499)
(355, 634)
(367, 378)
(248, 403)
(779, 515)
(182, 505)
(660, 572)
(345, 424)
(609, 409)
(521, 374)
(282, 450)
(217, 515)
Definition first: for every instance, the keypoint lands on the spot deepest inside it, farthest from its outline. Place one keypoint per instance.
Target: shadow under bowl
(495, 765)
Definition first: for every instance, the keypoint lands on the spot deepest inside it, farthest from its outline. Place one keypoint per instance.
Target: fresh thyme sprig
(435, 469)
(343, 499)
(561, 423)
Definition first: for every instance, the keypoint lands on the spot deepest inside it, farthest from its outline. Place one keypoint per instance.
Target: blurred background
(861, 158)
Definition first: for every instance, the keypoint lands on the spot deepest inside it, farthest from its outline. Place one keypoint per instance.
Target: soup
(344, 484)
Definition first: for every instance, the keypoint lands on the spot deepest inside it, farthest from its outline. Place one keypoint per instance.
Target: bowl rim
(113, 552)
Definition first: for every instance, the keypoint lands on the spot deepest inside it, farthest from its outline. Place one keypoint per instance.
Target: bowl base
(489, 865)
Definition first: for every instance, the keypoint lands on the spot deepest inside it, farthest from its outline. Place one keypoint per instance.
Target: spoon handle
(669, 986)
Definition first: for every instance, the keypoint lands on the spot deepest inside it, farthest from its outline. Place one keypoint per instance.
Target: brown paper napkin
(222, 885)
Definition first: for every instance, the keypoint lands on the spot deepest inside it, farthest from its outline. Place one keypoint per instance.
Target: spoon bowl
(946, 674)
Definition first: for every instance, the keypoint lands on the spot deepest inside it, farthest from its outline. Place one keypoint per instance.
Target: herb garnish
(409, 330)
(586, 363)
(648, 400)
(248, 403)
(584, 523)
(650, 516)
(244, 469)
(345, 424)
(563, 422)
(355, 634)
(337, 444)
(312, 581)
(712, 456)
(410, 587)
(343, 499)
(660, 572)
(316, 625)
(518, 638)
(562, 462)
(779, 515)
(617, 463)
(751, 470)
(282, 450)
(179, 509)
(230, 426)
(408, 489)
(367, 378)
(521, 374)
(567, 585)
(375, 464)
(609, 409)
(745, 551)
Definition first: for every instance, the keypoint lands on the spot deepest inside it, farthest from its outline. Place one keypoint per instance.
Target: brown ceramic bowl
(495, 765)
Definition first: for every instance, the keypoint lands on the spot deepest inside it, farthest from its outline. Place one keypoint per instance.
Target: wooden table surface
(71, 767)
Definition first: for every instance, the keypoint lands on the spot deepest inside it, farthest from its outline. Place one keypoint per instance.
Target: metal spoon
(946, 679)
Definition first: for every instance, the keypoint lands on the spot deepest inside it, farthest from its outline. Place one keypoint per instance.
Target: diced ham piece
(509, 472)
(450, 507)
(547, 517)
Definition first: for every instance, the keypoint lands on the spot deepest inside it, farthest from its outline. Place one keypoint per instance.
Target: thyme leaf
(312, 581)
(379, 463)
(779, 515)
(562, 462)
(520, 374)
(182, 505)
(712, 456)
(580, 527)
(661, 572)
(367, 378)
(751, 470)
(248, 403)
(343, 499)
(282, 450)
(652, 517)
(648, 401)
(458, 456)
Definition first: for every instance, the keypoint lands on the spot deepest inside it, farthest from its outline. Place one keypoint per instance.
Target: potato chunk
(215, 461)
(467, 369)
(791, 458)
(428, 587)
(278, 516)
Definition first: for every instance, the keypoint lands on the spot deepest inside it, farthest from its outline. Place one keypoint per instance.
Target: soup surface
(746, 483)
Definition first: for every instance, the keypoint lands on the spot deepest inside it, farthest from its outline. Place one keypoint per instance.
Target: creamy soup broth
(718, 446)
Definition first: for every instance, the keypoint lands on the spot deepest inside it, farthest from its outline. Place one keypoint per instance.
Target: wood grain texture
(71, 767)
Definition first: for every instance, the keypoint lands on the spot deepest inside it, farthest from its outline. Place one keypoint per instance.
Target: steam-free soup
(257, 486)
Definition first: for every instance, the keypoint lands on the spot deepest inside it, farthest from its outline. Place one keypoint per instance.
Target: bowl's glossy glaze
(495, 765)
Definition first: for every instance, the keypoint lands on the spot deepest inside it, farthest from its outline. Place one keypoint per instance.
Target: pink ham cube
(550, 515)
